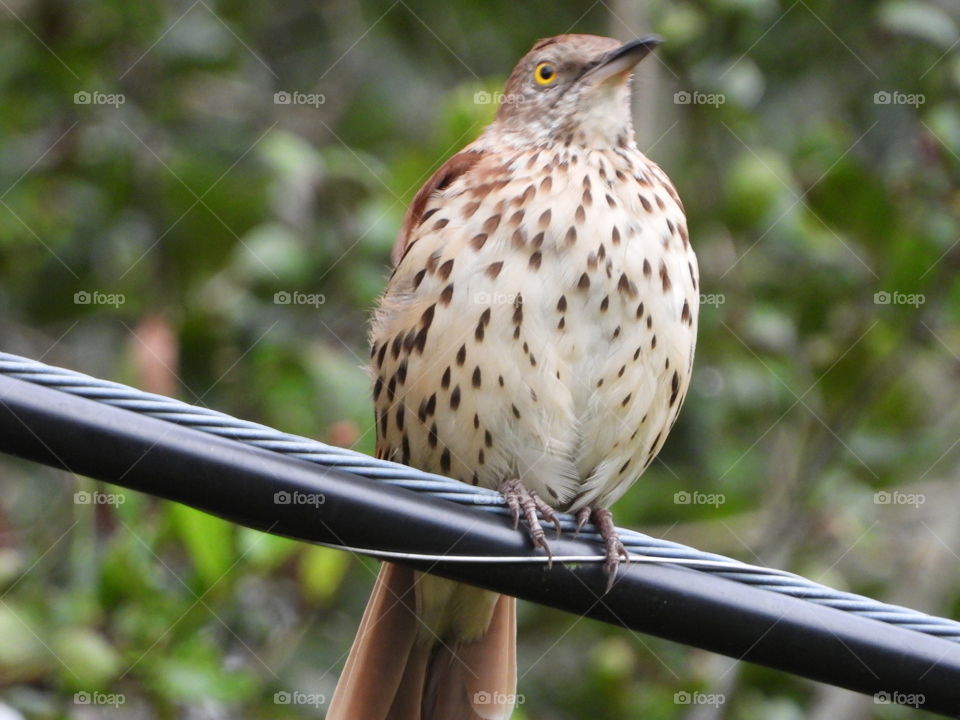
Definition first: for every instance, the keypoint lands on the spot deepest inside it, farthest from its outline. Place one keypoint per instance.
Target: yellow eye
(545, 73)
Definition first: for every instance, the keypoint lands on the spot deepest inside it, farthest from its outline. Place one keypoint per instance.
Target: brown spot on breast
(487, 438)
(605, 303)
(478, 241)
(674, 387)
(647, 270)
(685, 313)
(418, 278)
(664, 276)
(441, 223)
(377, 388)
(546, 184)
(562, 304)
(584, 282)
(646, 203)
(475, 380)
(537, 240)
(660, 202)
(433, 260)
(544, 221)
(587, 198)
(626, 400)
(445, 379)
(432, 435)
(470, 208)
(382, 354)
(455, 398)
(581, 215)
(445, 461)
(516, 413)
(516, 218)
(400, 416)
(610, 201)
(571, 236)
(615, 236)
(461, 355)
(625, 286)
(445, 269)
(446, 295)
(535, 260)
(518, 238)
(493, 269)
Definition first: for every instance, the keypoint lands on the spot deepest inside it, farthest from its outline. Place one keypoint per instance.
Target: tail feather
(398, 671)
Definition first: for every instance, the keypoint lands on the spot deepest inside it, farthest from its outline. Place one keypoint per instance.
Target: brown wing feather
(442, 178)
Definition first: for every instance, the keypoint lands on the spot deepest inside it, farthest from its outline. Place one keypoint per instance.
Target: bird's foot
(520, 499)
(603, 520)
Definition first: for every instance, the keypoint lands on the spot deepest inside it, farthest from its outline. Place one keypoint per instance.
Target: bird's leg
(522, 500)
(603, 521)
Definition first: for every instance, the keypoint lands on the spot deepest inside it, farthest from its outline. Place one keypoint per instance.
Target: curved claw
(615, 550)
(520, 499)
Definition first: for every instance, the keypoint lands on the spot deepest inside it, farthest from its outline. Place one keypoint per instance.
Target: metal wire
(643, 547)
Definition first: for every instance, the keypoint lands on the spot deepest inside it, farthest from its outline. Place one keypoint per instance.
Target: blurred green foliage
(146, 164)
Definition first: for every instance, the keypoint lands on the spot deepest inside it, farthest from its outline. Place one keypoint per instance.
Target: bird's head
(572, 88)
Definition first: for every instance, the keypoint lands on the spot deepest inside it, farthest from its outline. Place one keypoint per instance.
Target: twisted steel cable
(642, 548)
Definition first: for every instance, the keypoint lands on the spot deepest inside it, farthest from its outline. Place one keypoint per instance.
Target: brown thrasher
(536, 336)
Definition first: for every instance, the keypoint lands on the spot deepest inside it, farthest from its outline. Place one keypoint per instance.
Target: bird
(536, 336)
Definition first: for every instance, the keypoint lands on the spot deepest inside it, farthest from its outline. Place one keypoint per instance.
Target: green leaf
(209, 541)
(321, 571)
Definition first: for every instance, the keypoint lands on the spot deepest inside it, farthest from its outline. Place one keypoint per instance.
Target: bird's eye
(545, 73)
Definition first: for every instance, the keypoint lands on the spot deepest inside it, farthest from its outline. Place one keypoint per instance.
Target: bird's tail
(400, 670)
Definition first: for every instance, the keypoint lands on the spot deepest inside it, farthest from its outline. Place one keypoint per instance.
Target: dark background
(815, 145)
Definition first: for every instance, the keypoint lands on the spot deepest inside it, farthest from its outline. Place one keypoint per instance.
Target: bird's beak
(621, 61)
